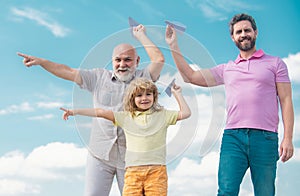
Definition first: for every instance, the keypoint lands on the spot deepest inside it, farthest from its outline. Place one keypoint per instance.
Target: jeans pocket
(270, 135)
(230, 131)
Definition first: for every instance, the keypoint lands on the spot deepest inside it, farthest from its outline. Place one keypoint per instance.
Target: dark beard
(247, 47)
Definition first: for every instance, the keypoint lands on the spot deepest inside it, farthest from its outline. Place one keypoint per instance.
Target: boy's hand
(176, 89)
(67, 113)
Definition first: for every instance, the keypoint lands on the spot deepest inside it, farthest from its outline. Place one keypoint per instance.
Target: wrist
(43, 62)
(141, 36)
(288, 138)
(73, 112)
(173, 45)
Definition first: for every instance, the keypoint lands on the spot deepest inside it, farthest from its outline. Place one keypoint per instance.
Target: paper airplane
(132, 23)
(177, 25)
(168, 89)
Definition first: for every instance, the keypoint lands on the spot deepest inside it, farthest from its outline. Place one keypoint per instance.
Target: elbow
(158, 57)
(187, 80)
(186, 114)
(160, 60)
(185, 76)
(189, 113)
(98, 112)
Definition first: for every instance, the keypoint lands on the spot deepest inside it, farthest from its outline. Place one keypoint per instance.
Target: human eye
(248, 30)
(128, 59)
(238, 32)
(117, 59)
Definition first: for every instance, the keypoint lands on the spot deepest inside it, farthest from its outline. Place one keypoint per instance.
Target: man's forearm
(61, 71)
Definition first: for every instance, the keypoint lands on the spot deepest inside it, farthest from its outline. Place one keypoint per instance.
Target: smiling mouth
(123, 70)
(247, 39)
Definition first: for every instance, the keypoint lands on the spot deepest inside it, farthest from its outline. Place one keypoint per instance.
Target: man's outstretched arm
(59, 70)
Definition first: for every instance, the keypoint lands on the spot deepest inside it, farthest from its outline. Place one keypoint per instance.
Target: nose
(244, 33)
(144, 97)
(122, 63)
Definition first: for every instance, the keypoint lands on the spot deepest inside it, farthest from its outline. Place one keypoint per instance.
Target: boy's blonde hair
(140, 85)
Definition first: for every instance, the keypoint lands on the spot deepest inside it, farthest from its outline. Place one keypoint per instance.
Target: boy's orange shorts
(146, 180)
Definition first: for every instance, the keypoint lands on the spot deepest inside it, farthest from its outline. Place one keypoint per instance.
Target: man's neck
(247, 54)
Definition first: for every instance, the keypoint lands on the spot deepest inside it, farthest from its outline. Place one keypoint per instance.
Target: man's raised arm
(156, 57)
(201, 77)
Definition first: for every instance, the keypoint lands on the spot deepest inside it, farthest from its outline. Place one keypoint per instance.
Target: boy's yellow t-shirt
(145, 135)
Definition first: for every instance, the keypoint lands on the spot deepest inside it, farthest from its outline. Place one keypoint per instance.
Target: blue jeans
(248, 148)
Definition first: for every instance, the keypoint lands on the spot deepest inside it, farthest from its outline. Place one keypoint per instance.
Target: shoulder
(166, 112)
(272, 60)
(143, 73)
(95, 71)
(121, 117)
(121, 113)
(266, 56)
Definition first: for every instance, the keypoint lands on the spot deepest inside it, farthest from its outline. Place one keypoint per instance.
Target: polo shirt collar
(256, 54)
(137, 113)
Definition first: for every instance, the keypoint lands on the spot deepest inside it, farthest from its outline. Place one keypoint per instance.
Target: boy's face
(144, 100)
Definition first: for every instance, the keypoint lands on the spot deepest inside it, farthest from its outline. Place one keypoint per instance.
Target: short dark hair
(240, 17)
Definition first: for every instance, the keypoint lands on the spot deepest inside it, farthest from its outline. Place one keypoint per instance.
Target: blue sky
(41, 154)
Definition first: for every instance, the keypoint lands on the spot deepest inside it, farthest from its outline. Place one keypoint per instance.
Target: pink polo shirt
(250, 87)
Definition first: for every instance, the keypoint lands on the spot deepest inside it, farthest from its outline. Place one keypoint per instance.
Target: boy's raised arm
(185, 111)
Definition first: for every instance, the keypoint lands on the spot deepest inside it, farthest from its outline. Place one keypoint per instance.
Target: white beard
(127, 77)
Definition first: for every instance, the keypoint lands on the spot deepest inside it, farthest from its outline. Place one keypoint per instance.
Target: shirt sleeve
(89, 79)
(217, 72)
(171, 117)
(282, 74)
(119, 118)
(144, 73)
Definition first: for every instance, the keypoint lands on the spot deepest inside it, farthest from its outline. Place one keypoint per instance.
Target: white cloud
(31, 107)
(297, 128)
(201, 131)
(59, 155)
(296, 156)
(10, 163)
(16, 187)
(12, 109)
(44, 162)
(42, 19)
(195, 177)
(26, 174)
(41, 117)
(293, 64)
(48, 105)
